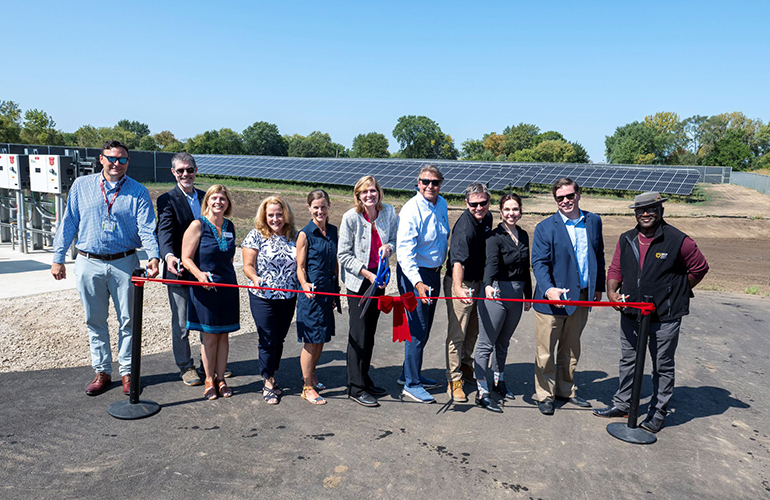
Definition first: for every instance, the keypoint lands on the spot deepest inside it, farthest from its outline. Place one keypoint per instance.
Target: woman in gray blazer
(366, 232)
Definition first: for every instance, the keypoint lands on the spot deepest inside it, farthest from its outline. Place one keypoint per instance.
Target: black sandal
(269, 396)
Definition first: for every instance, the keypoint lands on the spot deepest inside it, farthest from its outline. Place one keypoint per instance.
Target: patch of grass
(752, 290)
(713, 288)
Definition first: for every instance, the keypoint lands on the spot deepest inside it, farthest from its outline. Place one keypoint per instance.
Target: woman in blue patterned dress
(270, 260)
(317, 271)
(208, 247)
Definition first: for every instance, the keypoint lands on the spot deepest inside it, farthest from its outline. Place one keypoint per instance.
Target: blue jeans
(420, 321)
(97, 281)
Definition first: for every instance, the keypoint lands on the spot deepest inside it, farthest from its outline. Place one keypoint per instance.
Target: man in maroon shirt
(653, 259)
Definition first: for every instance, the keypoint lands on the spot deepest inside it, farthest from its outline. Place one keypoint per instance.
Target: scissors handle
(383, 272)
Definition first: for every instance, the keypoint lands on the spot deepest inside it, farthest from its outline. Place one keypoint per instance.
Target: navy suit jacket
(554, 263)
(174, 216)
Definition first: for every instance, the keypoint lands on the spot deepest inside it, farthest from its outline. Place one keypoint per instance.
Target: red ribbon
(399, 306)
(407, 300)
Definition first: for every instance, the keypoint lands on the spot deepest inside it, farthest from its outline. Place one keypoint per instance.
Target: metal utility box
(14, 172)
(51, 173)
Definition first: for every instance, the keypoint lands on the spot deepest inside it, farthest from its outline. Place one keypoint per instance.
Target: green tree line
(728, 139)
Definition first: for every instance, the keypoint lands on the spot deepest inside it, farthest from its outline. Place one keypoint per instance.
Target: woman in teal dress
(317, 271)
(208, 247)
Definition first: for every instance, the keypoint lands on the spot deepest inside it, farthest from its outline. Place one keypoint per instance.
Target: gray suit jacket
(355, 242)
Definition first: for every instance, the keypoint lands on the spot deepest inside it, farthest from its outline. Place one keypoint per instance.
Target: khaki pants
(463, 329)
(555, 366)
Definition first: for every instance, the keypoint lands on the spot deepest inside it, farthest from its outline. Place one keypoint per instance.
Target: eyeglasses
(432, 182)
(118, 159)
(649, 210)
(180, 171)
(474, 204)
(570, 196)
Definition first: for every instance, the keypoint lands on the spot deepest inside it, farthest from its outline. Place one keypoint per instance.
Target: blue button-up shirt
(423, 235)
(577, 234)
(195, 206)
(132, 213)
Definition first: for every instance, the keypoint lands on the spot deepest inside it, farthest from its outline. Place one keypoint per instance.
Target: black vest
(663, 276)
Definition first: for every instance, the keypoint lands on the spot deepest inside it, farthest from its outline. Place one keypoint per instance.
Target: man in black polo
(653, 259)
(467, 252)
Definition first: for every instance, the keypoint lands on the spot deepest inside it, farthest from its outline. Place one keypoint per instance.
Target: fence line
(757, 182)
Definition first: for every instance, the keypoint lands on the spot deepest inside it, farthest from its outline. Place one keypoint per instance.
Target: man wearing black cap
(653, 259)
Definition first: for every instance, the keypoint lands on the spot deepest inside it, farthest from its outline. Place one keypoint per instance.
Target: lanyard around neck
(114, 197)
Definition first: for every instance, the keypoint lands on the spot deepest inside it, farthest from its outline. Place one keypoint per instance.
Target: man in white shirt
(422, 242)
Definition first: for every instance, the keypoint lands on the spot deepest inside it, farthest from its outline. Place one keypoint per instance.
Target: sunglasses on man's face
(647, 210)
(570, 196)
(432, 182)
(180, 171)
(114, 159)
(475, 204)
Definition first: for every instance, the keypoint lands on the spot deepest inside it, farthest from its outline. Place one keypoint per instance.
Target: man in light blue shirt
(422, 242)
(112, 215)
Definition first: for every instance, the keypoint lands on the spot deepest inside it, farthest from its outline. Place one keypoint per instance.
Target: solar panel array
(402, 174)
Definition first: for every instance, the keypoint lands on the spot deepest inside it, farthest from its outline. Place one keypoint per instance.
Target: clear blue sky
(581, 68)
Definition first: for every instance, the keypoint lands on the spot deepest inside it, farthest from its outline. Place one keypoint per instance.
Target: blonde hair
(362, 183)
(260, 221)
(216, 189)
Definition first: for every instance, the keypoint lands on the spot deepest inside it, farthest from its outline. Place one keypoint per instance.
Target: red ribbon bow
(399, 306)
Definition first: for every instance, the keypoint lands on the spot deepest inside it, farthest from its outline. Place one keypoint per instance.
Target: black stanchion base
(635, 436)
(126, 411)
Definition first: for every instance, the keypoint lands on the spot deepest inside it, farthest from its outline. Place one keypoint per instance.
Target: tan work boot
(456, 392)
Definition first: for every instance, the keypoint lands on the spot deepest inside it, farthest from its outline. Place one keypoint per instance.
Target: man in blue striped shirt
(112, 215)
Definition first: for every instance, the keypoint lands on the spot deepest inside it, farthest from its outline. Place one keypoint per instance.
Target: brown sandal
(209, 391)
(224, 391)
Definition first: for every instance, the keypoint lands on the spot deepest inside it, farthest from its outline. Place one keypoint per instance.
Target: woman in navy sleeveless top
(208, 247)
(317, 271)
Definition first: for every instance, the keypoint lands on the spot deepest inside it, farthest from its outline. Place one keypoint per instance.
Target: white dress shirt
(423, 236)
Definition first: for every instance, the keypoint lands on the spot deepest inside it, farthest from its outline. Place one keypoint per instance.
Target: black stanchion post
(629, 432)
(135, 408)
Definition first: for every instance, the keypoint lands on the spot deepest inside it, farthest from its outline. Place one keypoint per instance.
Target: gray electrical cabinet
(14, 172)
(51, 173)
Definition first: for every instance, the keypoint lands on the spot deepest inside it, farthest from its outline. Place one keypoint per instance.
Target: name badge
(227, 234)
(108, 225)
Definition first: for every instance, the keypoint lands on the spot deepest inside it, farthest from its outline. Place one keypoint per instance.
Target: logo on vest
(661, 255)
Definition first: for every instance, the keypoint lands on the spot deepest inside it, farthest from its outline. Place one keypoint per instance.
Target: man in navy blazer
(568, 263)
(176, 210)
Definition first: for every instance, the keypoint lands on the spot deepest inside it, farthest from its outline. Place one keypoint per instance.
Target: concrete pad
(57, 442)
(23, 274)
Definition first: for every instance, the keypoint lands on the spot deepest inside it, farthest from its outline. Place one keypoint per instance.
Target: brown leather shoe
(126, 381)
(100, 384)
(456, 392)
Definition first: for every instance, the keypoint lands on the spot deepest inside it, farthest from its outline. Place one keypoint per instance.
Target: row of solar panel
(401, 174)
